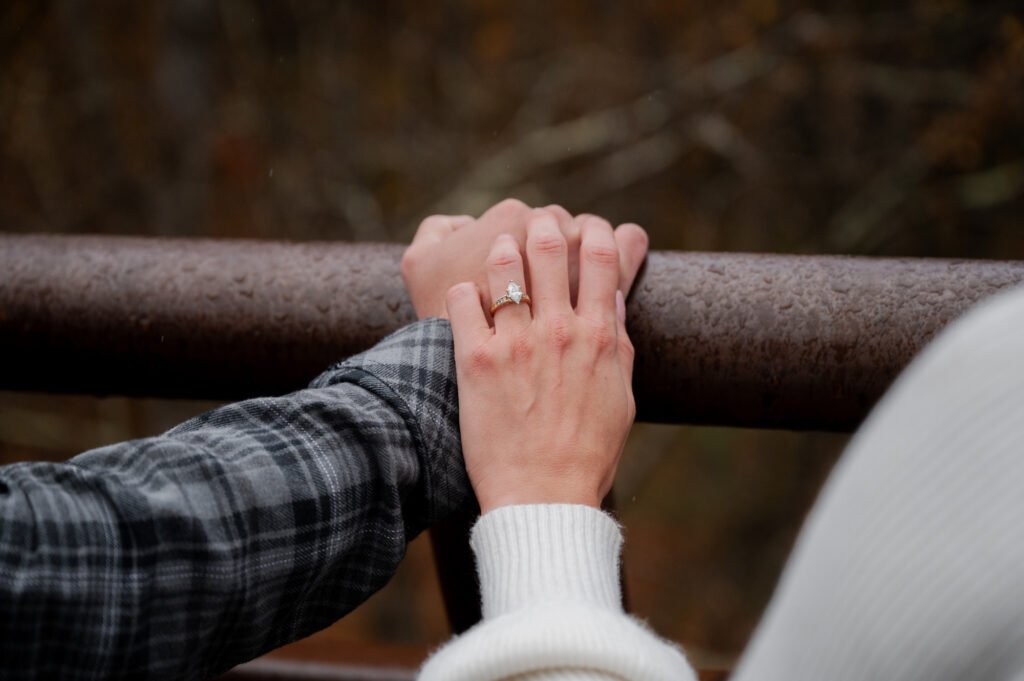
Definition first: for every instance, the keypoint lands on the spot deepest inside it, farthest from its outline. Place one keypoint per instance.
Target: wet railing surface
(803, 342)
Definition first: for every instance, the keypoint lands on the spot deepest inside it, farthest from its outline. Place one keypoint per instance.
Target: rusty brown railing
(806, 342)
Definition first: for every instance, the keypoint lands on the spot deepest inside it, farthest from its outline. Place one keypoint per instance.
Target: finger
(599, 271)
(632, 242)
(469, 326)
(546, 255)
(437, 227)
(566, 224)
(573, 242)
(570, 228)
(504, 265)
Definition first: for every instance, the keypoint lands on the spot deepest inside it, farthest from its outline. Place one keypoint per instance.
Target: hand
(545, 397)
(448, 249)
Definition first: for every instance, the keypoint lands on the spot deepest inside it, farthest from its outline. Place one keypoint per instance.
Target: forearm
(245, 528)
(552, 606)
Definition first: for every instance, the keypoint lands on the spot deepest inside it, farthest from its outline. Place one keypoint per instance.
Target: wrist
(520, 495)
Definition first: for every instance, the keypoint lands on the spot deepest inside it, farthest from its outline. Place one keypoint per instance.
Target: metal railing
(779, 341)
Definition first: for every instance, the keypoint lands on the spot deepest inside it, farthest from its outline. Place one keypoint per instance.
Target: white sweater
(552, 605)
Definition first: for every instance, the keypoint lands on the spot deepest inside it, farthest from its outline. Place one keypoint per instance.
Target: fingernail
(620, 306)
(506, 236)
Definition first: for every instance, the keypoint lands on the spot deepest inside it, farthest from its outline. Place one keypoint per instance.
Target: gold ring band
(505, 300)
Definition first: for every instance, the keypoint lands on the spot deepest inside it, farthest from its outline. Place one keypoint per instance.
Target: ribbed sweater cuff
(539, 553)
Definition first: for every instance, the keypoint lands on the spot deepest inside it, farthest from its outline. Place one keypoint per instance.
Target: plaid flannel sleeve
(250, 526)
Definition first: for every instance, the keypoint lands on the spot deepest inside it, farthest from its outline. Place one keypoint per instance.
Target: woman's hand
(545, 397)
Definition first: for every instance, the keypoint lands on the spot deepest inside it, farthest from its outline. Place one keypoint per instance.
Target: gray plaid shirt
(250, 526)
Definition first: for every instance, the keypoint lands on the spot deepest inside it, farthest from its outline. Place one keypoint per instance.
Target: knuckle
(481, 360)
(597, 222)
(559, 332)
(600, 254)
(461, 291)
(410, 261)
(560, 212)
(512, 207)
(436, 224)
(602, 337)
(549, 243)
(433, 221)
(502, 256)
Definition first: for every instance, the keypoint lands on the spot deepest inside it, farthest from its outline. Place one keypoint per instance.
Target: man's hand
(545, 397)
(448, 249)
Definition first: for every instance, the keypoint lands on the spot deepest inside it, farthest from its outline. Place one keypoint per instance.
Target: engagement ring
(513, 295)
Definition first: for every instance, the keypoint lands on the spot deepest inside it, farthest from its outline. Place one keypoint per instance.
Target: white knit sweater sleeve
(552, 606)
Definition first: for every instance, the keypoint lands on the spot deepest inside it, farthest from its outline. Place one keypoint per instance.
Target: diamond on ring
(513, 295)
(514, 292)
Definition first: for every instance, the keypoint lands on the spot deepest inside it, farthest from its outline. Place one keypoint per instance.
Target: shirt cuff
(416, 365)
(542, 553)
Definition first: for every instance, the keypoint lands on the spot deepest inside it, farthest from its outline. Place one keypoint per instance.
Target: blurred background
(889, 128)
